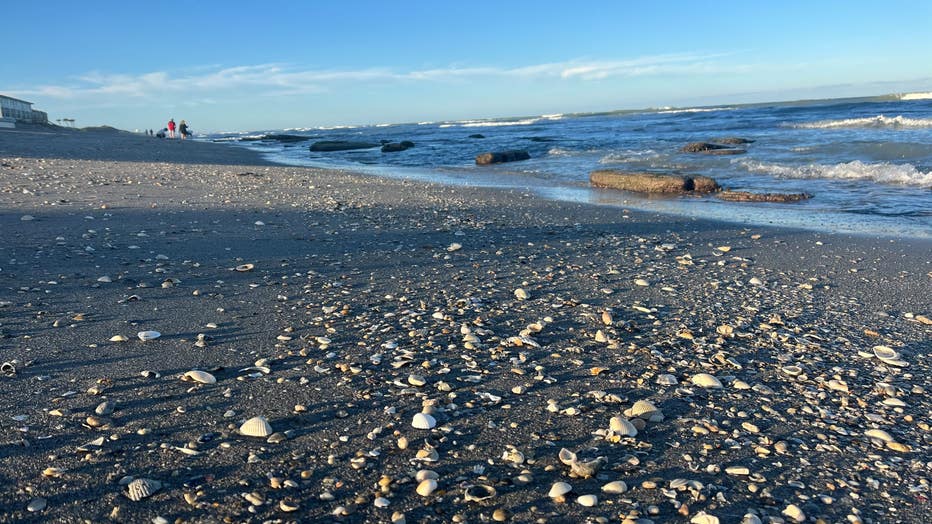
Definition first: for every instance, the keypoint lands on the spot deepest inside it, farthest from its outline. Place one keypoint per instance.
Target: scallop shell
(148, 335)
(559, 489)
(242, 268)
(642, 409)
(142, 488)
(202, 377)
(423, 421)
(622, 426)
(705, 380)
(256, 427)
(478, 493)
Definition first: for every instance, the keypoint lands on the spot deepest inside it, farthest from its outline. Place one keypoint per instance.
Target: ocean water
(867, 161)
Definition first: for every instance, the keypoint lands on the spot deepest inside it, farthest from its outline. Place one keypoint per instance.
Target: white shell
(704, 518)
(148, 335)
(705, 380)
(118, 338)
(667, 380)
(256, 427)
(587, 500)
(142, 488)
(793, 513)
(559, 489)
(885, 353)
(792, 370)
(879, 434)
(615, 487)
(641, 282)
(567, 457)
(642, 409)
(199, 376)
(521, 294)
(426, 487)
(242, 268)
(423, 421)
(454, 247)
(621, 426)
(478, 493)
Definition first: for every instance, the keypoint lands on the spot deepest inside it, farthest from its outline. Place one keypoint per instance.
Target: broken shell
(256, 427)
(148, 335)
(454, 247)
(615, 487)
(521, 294)
(242, 268)
(478, 493)
(199, 376)
(118, 338)
(792, 371)
(587, 500)
(705, 380)
(559, 489)
(142, 488)
(567, 457)
(622, 426)
(426, 487)
(288, 506)
(423, 421)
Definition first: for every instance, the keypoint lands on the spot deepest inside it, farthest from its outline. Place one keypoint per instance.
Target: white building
(16, 110)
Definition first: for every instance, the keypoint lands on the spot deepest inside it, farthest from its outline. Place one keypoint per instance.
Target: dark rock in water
(396, 147)
(477, 135)
(745, 196)
(707, 148)
(541, 139)
(502, 156)
(279, 138)
(734, 140)
(340, 145)
(653, 182)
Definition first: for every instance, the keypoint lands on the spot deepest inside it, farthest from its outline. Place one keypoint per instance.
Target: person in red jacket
(171, 128)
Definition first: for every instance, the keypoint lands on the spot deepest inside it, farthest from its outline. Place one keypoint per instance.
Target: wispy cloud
(283, 80)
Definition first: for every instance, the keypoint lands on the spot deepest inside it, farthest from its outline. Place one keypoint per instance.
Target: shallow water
(867, 162)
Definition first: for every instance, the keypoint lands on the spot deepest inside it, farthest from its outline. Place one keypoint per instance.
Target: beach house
(14, 110)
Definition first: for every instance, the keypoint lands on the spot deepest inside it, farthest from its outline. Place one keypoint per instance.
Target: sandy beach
(426, 353)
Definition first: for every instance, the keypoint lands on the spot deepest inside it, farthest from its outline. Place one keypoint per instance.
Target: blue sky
(268, 65)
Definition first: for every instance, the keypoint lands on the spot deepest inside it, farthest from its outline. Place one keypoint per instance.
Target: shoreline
(370, 300)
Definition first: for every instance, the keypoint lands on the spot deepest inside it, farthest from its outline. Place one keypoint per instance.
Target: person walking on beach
(183, 129)
(171, 128)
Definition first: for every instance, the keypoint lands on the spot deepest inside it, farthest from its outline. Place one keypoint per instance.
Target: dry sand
(522, 326)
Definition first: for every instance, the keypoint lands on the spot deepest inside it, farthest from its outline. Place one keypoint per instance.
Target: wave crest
(886, 173)
(916, 96)
(896, 122)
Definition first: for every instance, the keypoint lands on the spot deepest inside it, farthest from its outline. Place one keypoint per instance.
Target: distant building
(16, 110)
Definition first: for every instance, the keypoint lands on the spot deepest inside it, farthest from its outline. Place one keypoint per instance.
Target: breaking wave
(896, 122)
(916, 96)
(885, 173)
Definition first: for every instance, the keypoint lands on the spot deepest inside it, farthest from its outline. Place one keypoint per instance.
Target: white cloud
(283, 80)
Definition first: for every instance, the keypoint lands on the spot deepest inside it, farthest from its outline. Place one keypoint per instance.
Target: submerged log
(502, 156)
(745, 196)
(652, 182)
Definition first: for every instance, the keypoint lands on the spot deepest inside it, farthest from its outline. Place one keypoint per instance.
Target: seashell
(837, 385)
(37, 504)
(478, 493)
(893, 402)
(642, 409)
(704, 518)
(792, 371)
(750, 518)
(256, 427)
(199, 376)
(885, 353)
(559, 489)
(622, 426)
(641, 282)
(607, 318)
(567, 457)
(142, 488)
(667, 380)
(426, 487)
(455, 246)
(879, 434)
(148, 335)
(242, 268)
(725, 330)
(118, 338)
(423, 421)
(521, 294)
(416, 380)
(898, 446)
(616, 487)
(587, 469)
(793, 513)
(288, 505)
(424, 474)
(724, 249)
(587, 500)
(705, 380)
(52, 472)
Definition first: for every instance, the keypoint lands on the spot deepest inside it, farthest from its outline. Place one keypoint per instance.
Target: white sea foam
(896, 122)
(491, 123)
(631, 155)
(884, 172)
(916, 96)
(694, 110)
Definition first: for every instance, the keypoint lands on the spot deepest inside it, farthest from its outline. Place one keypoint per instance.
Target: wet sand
(339, 306)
